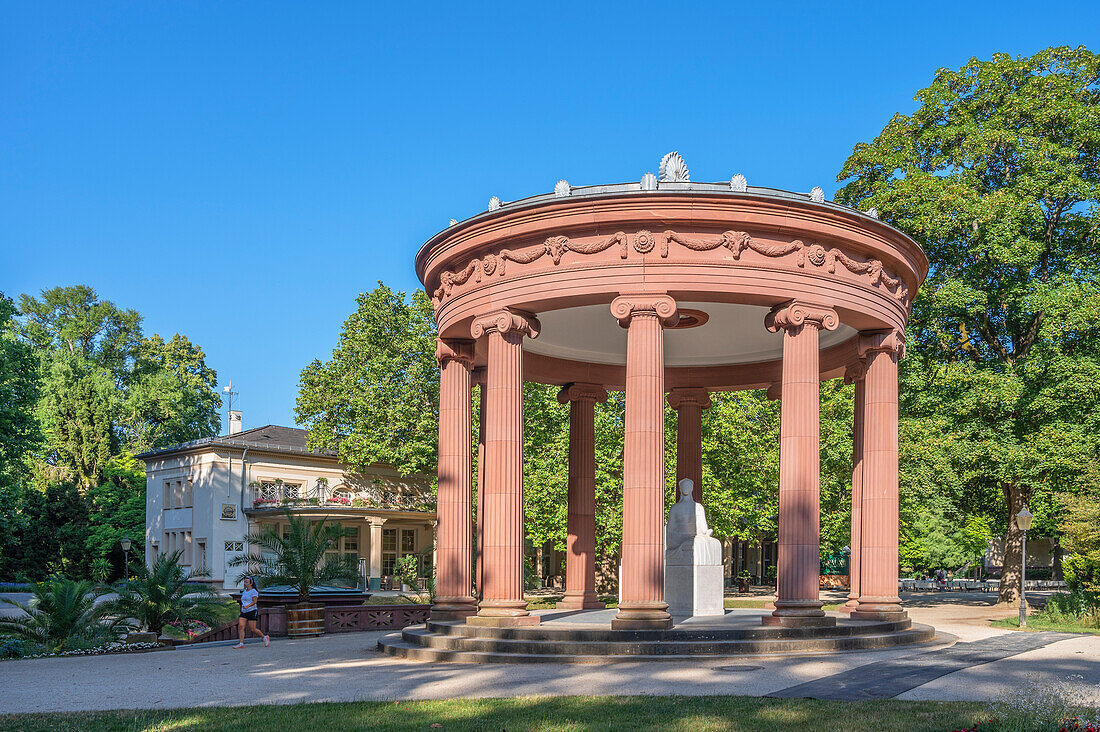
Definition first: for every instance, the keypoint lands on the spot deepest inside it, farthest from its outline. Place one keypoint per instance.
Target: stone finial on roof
(649, 182)
(494, 203)
(673, 169)
(739, 184)
(817, 195)
(562, 188)
(872, 212)
(452, 222)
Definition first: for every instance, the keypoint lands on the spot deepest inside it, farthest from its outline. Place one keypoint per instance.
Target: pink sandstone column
(453, 535)
(878, 599)
(797, 601)
(643, 570)
(479, 534)
(502, 568)
(689, 405)
(580, 562)
(854, 375)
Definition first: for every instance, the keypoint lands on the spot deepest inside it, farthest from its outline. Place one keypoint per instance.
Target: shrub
(61, 614)
(160, 594)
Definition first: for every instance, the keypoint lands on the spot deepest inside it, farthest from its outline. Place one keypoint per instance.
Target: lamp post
(125, 542)
(1023, 520)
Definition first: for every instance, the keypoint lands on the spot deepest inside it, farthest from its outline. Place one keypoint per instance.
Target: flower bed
(109, 648)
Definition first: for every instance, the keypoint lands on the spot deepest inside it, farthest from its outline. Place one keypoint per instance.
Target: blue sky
(239, 172)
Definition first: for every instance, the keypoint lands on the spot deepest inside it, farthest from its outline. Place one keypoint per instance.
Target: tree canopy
(997, 176)
(82, 390)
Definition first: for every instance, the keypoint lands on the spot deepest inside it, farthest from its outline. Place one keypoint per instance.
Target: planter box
(305, 619)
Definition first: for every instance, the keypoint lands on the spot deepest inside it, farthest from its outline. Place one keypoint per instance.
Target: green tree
(298, 558)
(73, 320)
(77, 410)
(171, 395)
(116, 509)
(19, 432)
(997, 176)
(61, 614)
(160, 594)
(377, 399)
(1080, 521)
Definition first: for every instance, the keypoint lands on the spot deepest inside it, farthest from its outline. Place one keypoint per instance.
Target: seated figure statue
(693, 559)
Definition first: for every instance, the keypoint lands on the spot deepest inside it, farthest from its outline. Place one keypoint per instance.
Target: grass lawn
(1038, 622)
(546, 714)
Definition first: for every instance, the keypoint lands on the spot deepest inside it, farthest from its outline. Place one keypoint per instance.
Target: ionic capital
(505, 322)
(792, 314)
(454, 349)
(626, 306)
(679, 397)
(582, 393)
(890, 341)
(855, 371)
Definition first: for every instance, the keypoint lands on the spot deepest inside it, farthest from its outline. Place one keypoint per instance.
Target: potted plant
(298, 559)
(743, 578)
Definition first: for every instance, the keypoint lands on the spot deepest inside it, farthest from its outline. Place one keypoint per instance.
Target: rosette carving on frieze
(505, 322)
(626, 306)
(644, 242)
(582, 393)
(454, 349)
(795, 313)
(890, 341)
(736, 242)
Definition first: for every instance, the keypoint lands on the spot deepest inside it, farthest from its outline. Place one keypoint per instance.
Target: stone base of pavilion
(587, 636)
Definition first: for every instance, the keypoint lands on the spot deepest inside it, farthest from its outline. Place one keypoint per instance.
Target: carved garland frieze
(644, 242)
(555, 246)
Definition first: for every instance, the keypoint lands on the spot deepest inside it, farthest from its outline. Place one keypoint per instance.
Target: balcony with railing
(279, 494)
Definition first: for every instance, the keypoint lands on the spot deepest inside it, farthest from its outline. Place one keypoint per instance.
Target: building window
(167, 503)
(396, 543)
(234, 547)
(188, 493)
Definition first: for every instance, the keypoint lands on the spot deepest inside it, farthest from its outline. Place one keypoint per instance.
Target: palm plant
(61, 614)
(298, 558)
(160, 594)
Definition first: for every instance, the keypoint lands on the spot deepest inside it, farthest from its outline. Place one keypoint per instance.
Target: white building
(202, 497)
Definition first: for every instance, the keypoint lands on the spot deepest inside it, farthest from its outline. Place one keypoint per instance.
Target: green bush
(61, 615)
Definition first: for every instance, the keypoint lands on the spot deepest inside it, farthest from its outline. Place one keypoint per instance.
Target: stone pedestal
(694, 590)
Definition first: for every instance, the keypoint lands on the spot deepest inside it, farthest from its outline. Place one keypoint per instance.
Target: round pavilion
(668, 289)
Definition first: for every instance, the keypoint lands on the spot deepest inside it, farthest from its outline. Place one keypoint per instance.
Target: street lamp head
(1023, 518)
(125, 544)
(846, 550)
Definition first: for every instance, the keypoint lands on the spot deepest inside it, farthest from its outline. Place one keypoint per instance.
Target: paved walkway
(346, 667)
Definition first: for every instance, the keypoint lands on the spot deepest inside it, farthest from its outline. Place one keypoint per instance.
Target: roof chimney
(234, 421)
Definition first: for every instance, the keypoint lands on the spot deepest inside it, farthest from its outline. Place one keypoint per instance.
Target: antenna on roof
(233, 416)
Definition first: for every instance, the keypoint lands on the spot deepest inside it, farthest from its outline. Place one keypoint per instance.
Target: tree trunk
(1010, 572)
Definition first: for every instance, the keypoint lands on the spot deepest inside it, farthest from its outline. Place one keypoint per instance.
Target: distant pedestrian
(250, 613)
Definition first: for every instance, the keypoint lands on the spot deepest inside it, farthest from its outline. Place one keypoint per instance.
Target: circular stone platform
(586, 637)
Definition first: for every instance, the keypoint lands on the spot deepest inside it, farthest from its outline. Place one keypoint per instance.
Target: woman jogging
(250, 613)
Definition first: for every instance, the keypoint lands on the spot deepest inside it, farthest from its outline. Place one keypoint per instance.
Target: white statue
(693, 559)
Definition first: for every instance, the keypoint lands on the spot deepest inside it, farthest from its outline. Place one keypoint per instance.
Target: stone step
(543, 633)
(419, 643)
